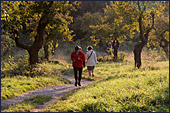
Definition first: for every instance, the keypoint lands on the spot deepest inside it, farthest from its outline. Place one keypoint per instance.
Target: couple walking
(78, 58)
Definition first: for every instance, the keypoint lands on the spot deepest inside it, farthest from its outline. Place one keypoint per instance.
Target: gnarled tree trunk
(137, 54)
(36, 46)
(39, 38)
(144, 39)
(33, 56)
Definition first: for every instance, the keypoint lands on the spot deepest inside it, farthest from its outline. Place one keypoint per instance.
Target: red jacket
(78, 62)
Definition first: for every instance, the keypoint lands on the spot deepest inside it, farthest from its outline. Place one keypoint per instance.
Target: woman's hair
(89, 48)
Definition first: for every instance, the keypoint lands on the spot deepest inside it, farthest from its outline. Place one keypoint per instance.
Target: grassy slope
(107, 94)
(123, 89)
(17, 85)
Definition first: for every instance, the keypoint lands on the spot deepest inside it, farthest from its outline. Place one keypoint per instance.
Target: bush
(121, 57)
(99, 59)
(15, 66)
(110, 51)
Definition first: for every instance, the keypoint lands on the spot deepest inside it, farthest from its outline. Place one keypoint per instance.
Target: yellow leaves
(92, 38)
(56, 45)
(21, 27)
(133, 33)
(15, 35)
(32, 35)
(137, 29)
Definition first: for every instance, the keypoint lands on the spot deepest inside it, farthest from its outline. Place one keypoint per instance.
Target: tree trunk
(39, 38)
(144, 39)
(46, 52)
(33, 56)
(115, 47)
(137, 54)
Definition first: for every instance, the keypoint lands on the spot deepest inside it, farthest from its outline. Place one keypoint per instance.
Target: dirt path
(56, 92)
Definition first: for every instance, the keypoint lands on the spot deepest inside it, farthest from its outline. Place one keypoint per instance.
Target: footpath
(55, 91)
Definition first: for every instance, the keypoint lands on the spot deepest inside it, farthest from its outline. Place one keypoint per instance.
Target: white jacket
(92, 60)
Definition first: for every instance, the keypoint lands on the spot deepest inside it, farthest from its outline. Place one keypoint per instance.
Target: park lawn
(122, 89)
(46, 75)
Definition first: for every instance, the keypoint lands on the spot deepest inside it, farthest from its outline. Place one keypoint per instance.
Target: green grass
(118, 87)
(122, 89)
(48, 75)
(29, 104)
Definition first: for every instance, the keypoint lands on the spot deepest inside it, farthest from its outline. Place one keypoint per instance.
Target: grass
(29, 104)
(122, 89)
(118, 87)
(46, 74)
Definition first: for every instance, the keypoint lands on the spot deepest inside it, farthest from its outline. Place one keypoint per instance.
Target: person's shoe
(92, 75)
(75, 83)
(79, 84)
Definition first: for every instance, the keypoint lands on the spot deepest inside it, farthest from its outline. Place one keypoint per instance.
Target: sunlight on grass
(122, 89)
(18, 85)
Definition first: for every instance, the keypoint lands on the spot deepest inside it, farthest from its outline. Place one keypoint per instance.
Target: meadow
(38, 38)
(118, 87)
(18, 78)
(123, 89)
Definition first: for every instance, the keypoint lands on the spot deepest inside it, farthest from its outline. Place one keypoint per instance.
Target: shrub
(110, 51)
(99, 58)
(121, 57)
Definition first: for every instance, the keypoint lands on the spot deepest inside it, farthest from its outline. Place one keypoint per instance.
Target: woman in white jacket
(91, 60)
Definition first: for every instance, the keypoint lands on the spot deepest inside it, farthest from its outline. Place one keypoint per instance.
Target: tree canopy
(34, 19)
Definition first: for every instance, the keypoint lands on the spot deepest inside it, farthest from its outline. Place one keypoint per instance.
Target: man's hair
(77, 47)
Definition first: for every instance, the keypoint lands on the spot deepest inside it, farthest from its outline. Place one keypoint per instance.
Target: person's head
(80, 48)
(89, 48)
(77, 47)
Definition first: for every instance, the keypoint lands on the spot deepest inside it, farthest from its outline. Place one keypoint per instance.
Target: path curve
(55, 91)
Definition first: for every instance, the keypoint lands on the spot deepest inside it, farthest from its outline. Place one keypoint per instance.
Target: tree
(160, 37)
(146, 22)
(85, 21)
(118, 23)
(54, 36)
(35, 17)
(91, 8)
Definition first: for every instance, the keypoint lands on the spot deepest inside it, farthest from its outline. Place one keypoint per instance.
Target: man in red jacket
(78, 57)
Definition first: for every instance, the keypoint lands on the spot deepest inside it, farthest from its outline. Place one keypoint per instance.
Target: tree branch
(41, 27)
(141, 29)
(152, 27)
(19, 44)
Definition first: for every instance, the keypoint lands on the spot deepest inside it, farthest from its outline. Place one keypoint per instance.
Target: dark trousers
(75, 73)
